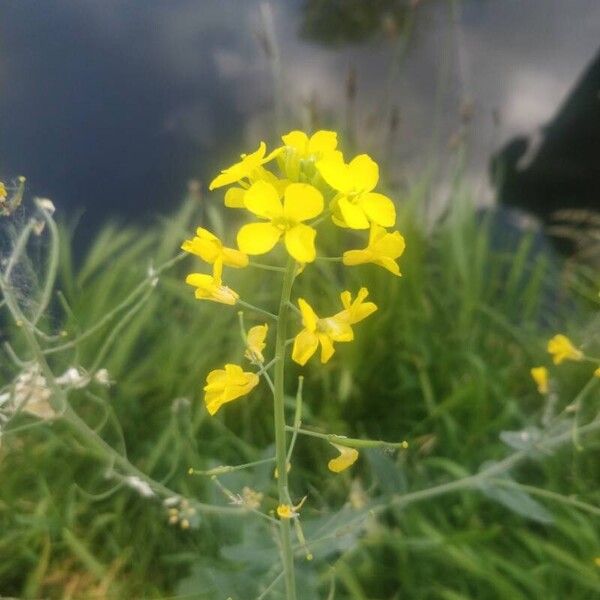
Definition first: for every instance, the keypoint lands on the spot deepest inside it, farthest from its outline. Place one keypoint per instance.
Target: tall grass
(447, 370)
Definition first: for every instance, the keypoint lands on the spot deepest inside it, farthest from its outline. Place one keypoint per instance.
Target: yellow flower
(331, 329)
(561, 348)
(245, 168)
(255, 343)
(210, 287)
(318, 331)
(3, 192)
(287, 511)
(225, 385)
(356, 205)
(301, 202)
(383, 249)
(210, 249)
(301, 152)
(540, 376)
(597, 372)
(348, 456)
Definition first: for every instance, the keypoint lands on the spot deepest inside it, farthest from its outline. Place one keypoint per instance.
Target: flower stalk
(287, 555)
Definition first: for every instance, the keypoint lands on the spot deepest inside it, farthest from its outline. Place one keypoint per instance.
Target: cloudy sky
(113, 105)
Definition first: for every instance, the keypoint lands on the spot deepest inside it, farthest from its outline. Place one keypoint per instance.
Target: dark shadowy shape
(337, 22)
(555, 173)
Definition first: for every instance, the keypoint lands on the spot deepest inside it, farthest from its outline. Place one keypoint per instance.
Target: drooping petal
(309, 317)
(365, 173)
(300, 243)
(305, 345)
(301, 202)
(257, 238)
(262, 199)
(234, 197)
(327, 349)
(353, 215)
(379, 208)
(348, 456)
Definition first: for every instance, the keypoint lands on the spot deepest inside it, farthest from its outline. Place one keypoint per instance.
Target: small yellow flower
(348, 456)
(561, 348)
(245, 168)
(301, 152)
(383, 249)
(301, 202)
(318, 331)
(225, 385)
(255, 343)
(210, 287)
(287, 511)
(330, 329)
(540, 376)
(209, 248)
(356, 205)
(597, 372)
(3, 192)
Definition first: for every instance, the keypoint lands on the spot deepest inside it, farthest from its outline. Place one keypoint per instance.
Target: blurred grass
(444, 365)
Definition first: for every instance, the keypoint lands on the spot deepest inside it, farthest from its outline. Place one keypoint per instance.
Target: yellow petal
(327, 349)
(302, 202)
(263, 200)
(297, 140)
(561, 348)
(597, 372)
(336, 173)
(309, 317)
(255, 342)
(234, 197)
(305, 345)
(300, 243)
(285, 511)
(353, 215)
(338, 327)
(365, 173)
(356, 257)
(359, 309)
(348, 456)
(257, 238)
(540, 376)
(234, 258)
(322, 142)
(390, 244)
(379, 208)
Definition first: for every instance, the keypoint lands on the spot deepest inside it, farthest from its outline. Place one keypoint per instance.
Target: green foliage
(447, 370)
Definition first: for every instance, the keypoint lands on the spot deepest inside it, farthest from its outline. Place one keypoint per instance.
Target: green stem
(280, 429)
(257, 309)
(346, 441)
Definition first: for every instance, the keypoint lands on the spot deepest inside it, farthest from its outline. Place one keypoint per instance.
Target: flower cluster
(561, 349)
(288, 194)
